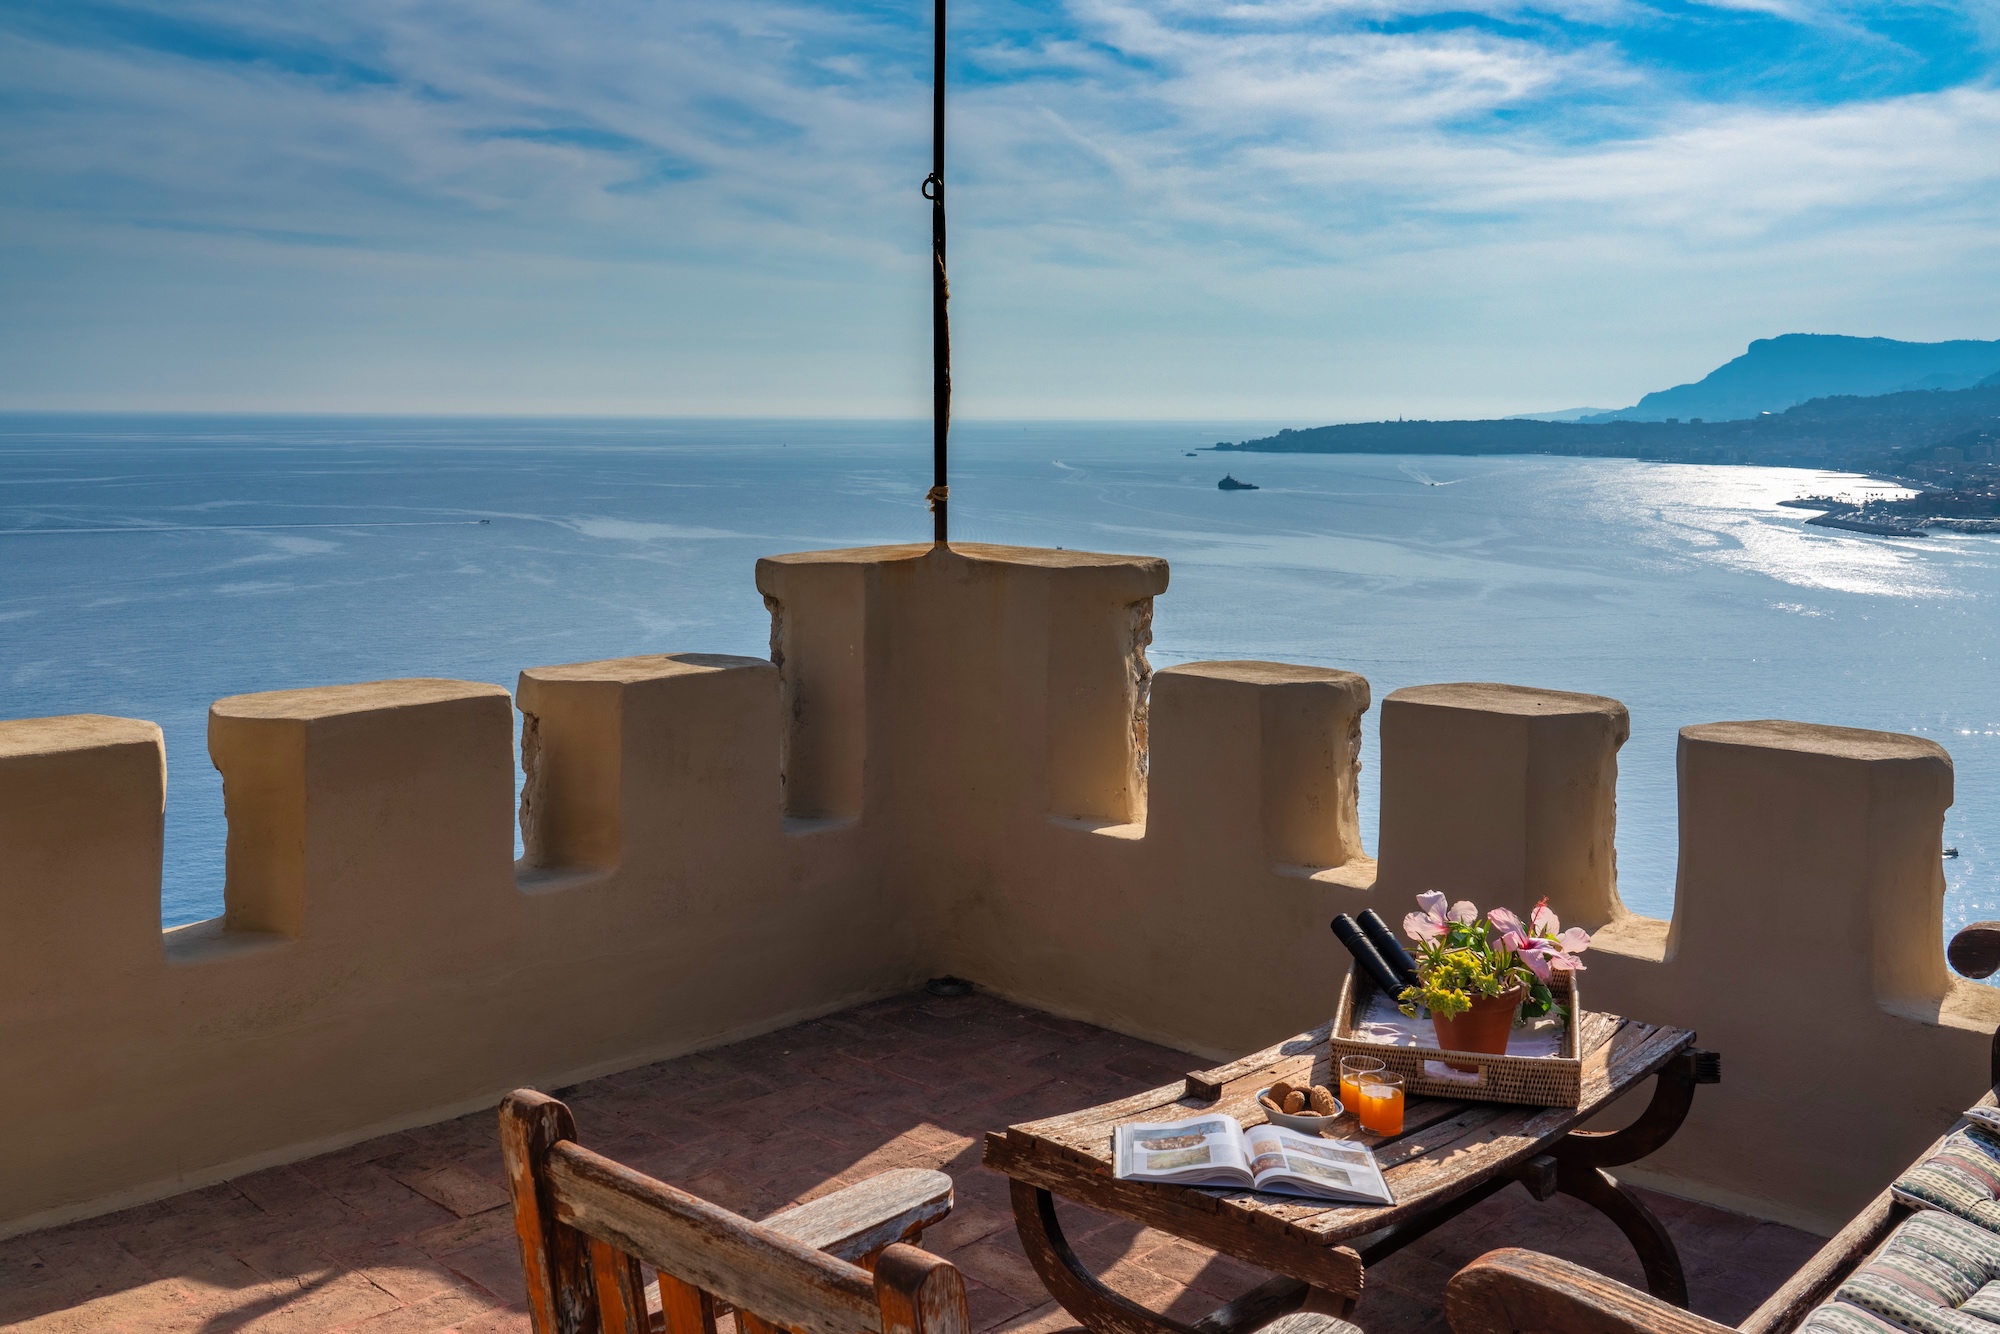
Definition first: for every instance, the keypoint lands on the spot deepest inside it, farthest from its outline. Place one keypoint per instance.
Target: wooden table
(1451, 1155)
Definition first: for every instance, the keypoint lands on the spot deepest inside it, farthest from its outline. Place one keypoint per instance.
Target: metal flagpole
(940, 493)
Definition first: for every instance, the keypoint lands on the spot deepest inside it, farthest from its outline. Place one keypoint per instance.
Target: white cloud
(1158, 209)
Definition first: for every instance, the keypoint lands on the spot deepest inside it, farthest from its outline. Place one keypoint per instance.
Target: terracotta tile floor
(410, 1232)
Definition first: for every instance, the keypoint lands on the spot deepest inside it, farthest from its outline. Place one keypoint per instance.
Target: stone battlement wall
(956, 761)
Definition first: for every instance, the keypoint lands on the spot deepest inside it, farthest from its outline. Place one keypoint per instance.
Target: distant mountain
(1779, 372)
(1881, 432)
(1563, 415)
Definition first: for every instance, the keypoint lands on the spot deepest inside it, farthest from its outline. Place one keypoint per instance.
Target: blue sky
(1272, 209)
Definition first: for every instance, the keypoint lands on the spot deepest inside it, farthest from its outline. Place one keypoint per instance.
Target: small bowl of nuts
(1307, 1107)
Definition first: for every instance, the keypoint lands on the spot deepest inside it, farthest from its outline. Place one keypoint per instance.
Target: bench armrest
(856, 1222)
(1522, 1292)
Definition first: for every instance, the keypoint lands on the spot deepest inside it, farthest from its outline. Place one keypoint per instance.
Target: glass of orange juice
(1352, 1068)
(1381, 1108)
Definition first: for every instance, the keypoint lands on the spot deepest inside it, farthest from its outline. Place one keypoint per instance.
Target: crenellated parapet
(1508, 793)
(382, 961)
(956, 760)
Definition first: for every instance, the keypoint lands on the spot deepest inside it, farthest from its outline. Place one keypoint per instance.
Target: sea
(150, 565)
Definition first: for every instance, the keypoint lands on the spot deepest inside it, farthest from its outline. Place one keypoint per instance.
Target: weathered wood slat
(919, 1293)
(1231, 1090)
(779, 1279)
(621, 1290)
(1536, 1174)
(1209, 1083)
(1306, 1068)
(1311, 1322)
(1089, 1140)
(1255, 1308)
(1197, 1215)
(1429, 1179)
(1500, 1145)
(554, 1260)
(1089, 1135)
(1445, 1135)
(1125, 1109)
(1520, 1292)
(684, 1308)
(1445, 1148)
(1830, 1267)
(1447, 1155)
(856, 1222)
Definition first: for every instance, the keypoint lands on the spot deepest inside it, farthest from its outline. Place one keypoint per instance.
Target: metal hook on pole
(933, 190)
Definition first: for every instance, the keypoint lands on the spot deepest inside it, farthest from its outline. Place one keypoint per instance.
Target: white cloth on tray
(1385, 1022)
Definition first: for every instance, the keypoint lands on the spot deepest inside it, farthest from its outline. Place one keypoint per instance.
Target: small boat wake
(1420, 476)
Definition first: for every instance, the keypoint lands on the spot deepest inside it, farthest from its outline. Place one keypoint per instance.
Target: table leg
(1103, 1311)
(1582, 1155)
(1615, 1200)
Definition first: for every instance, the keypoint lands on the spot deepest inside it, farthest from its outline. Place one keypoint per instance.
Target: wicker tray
(1538, 1081)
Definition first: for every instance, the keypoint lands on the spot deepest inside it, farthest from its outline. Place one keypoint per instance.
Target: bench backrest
(586, 1223)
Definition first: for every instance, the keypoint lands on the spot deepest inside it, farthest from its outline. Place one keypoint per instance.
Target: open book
(1215, 1151)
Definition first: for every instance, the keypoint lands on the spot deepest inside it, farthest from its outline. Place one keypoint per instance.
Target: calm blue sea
(151, 565)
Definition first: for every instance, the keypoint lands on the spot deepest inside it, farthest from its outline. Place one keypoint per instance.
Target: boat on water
(1229, 483)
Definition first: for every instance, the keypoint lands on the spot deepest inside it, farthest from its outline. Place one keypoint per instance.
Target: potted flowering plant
(1474, 976)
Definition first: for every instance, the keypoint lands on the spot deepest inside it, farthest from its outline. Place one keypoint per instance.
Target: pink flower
(1544, 920)
(1513, 935)
(1429, 924)
(1550, 947)
(1543, 945)
(1567, 962)
(1537, 960)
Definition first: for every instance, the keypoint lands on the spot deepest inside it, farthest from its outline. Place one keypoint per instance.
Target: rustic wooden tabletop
(1449, 1155)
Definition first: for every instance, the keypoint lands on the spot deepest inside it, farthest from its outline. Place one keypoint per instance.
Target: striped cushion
(1985, 1303)
(1929, 1271)
(1840, 1318)
(1962, 1177)
(1984, 1116)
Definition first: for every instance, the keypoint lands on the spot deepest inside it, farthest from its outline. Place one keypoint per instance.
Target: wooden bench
(586, 1223)
(1517, 1291)
(839, 1265)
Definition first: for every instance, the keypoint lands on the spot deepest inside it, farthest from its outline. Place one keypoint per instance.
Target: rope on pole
(933, 190)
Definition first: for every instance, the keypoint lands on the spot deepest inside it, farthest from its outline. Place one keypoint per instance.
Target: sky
(1306, 210)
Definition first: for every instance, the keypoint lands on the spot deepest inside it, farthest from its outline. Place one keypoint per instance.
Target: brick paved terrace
(410, 1233)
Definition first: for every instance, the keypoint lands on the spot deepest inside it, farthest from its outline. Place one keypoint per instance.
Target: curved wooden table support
(1582, 1155)
(1616, 1201)
(1450, 1155)
(1103, 1311)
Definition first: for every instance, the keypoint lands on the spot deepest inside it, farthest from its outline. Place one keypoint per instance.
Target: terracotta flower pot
(1483, 1028)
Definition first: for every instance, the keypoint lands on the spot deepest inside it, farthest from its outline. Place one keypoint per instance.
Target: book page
(1291, 1163)
(1207, 1148)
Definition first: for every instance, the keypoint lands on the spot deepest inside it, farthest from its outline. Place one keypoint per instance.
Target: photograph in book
(1216, 1151)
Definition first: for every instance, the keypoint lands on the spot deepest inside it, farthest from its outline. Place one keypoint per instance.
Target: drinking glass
(1351, 1070)
(1382, 1103)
